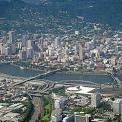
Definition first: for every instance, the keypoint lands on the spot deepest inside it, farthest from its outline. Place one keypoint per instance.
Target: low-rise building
(56, 115)
(80, 117)
(69, 118)
(117, 106)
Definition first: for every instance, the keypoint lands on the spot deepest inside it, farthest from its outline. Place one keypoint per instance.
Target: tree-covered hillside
(98, 11)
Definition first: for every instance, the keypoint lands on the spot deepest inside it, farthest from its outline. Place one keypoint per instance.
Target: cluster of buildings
(76, 117)
(12, 111)
(15, 100)
(46, 49)
(64, 106)
(63, 102)
(32, 47)
(8, 46)
(92, 47)
(10, 102)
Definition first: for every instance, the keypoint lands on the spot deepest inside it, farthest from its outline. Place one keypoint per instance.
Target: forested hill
(100, 11)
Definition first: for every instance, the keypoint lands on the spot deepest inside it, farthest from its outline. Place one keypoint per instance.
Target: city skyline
(60, 61)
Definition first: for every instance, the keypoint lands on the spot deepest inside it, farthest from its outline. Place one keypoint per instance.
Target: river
(16, 71)
(59, 76)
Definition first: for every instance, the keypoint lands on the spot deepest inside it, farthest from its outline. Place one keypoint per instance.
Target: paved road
(37, 109)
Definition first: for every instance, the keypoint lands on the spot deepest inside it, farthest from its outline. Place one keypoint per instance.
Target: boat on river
(22, 68)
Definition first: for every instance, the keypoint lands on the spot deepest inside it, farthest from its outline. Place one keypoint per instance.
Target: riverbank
(95, 77)
(29, 68)
(82, 72)
(15, 78)
(17, 71)
(88, 72)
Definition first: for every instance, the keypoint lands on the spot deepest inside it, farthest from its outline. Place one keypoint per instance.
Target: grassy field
(47, 108)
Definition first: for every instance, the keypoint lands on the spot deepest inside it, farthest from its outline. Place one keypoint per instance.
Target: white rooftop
(80, 89)
(11, 115)
(118, 100)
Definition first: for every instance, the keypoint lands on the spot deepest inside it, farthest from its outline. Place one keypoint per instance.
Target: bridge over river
(37, 76)
(116, 79)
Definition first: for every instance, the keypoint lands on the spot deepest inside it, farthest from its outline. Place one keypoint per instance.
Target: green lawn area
(46, 118)
(60, 91)
(86, 110)
(47, 108)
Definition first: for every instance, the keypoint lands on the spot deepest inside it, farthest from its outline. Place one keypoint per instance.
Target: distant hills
(100, 11)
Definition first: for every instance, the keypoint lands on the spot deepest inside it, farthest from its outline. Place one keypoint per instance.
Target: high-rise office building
(95, 100)
(81, 51)
(11, 35)
(8, 51)
(22, 55)
(2, 49)
(13, 48)
(113, 60)
(24, 40)
(29, 53)
(30, 43)
(57, 42)
(19, 45)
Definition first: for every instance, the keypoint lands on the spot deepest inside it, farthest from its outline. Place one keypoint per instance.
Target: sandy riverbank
(10, 77)
(19, 79)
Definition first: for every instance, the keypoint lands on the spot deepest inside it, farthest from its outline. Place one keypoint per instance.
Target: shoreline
(16, 79)
(26, 68)
(92, 73)
(67, 72)
(6, 76)
(87, 73)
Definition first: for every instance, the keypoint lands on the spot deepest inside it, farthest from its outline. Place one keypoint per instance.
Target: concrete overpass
(116, 80)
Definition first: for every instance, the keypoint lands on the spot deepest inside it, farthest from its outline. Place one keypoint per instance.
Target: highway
(37, 109)
(50, 85)
(38, 93)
